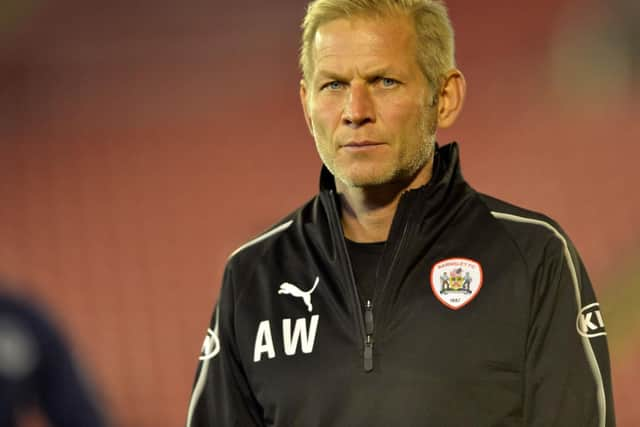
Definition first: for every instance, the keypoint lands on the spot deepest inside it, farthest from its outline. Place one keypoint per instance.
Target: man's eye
(387, 82)
(334, 85)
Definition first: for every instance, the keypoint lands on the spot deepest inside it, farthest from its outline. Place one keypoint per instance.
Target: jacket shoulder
(256, 249)
(514, 215)
(268, 250)
(531, 231)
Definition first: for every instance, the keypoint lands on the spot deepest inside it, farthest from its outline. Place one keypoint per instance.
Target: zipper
(394, 259)
(368, 342)
(365, 320)
(361, 318)
(368, 309)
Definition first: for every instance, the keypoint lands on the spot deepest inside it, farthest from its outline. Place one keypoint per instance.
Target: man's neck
(367, 212)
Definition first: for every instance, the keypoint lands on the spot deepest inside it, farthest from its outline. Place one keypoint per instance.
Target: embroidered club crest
(456, 281)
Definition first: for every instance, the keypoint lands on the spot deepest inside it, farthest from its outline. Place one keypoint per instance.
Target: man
(337, 316)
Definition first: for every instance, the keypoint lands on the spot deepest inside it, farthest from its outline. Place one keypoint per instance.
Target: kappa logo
(456, 281)
(291, 289)
(589, 323)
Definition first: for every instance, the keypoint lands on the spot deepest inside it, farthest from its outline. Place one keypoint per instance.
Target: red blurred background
(141, 142)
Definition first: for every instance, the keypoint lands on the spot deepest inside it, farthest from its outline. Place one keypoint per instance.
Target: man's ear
(451, 98)
(303, 100)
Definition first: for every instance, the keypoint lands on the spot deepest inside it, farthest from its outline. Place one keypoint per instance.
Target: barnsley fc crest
(456, 281)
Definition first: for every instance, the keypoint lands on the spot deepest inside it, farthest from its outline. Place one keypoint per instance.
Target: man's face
(367, 102)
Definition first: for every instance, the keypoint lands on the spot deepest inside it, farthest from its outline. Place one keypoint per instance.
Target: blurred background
(142, 142)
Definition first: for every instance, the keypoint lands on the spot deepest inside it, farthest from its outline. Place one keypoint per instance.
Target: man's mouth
(362, 145)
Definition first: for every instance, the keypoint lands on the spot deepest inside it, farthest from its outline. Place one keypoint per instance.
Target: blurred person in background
(38, 371)
(399, 296)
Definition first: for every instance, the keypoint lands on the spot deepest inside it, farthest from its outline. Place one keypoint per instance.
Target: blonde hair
(434, 34)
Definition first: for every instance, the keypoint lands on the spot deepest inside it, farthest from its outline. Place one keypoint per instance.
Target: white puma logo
(291, 289)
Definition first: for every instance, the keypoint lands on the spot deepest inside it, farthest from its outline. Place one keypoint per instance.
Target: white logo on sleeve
(589, 322)
(210, 346)
(293, 290)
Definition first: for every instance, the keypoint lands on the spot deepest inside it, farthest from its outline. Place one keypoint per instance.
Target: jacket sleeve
(568, 377)
(221, 395)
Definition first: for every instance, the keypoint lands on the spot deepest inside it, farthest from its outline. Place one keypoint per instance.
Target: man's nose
(359, 108)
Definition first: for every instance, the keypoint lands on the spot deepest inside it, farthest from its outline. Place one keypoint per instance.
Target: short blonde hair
(434, 33)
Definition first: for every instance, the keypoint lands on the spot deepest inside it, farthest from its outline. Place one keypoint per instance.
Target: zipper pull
(368, 354)
(368, 342)
(368, 317)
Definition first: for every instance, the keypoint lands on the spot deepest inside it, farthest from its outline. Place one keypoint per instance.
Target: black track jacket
(483, 315)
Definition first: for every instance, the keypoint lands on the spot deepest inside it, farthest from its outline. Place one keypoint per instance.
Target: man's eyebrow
(375, 72)
(381, 71)
(385, 70)
(329, 74)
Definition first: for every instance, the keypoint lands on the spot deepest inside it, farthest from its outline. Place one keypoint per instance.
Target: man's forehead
(361, 37)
